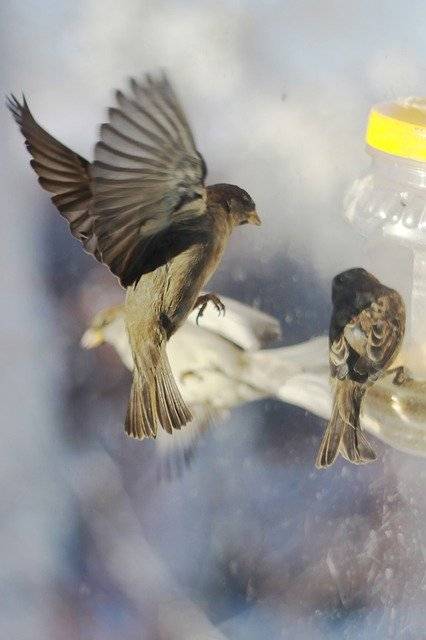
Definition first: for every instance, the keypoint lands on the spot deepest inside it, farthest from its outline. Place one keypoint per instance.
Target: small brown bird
(142, 208)
(214, 365)
(366, 331)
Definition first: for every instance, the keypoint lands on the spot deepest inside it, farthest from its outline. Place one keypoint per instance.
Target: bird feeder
(390, 200)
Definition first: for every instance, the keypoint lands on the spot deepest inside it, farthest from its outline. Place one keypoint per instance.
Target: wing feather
(368, 343)
(143, 200)
(148, 181)
(63, 173)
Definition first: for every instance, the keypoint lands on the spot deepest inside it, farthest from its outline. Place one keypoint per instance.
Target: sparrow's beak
(253, 218)
(91, 338)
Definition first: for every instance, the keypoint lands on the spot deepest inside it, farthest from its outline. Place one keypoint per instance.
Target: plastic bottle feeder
(391, 200)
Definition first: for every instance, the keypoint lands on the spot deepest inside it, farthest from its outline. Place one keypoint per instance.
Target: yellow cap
(399, 128)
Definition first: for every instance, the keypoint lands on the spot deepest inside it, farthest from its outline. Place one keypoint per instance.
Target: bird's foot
(400, 375)
(202, 302)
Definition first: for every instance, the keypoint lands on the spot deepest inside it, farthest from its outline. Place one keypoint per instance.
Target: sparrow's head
(236, 202)
(106, 326)
(354, 283)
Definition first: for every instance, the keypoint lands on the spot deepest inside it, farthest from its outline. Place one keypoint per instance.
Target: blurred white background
(252, 541)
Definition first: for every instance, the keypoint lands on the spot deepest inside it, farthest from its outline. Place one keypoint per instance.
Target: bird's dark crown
(236, 202)
(354, 281)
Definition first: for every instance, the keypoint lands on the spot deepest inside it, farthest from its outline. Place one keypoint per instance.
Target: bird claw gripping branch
(202, 302)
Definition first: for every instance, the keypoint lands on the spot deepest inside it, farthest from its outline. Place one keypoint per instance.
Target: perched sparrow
(366, 331)
(142, 208)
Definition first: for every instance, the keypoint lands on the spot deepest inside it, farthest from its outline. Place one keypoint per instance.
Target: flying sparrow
(142, 208)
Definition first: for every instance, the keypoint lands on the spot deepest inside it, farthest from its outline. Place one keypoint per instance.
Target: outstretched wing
(61, 172)
(368, 343)
(148, 182)
(142, 201)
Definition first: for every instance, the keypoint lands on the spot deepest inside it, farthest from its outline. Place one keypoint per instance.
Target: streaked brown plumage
(366, 331)
(142, 209)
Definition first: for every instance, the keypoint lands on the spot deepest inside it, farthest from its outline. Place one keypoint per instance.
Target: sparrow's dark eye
(341, 278)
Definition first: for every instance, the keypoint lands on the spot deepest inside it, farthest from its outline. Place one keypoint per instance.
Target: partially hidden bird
(222, 364)
(366, 332)
(143, 209)
(215, 366)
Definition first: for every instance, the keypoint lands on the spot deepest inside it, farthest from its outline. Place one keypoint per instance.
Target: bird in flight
(143, 209)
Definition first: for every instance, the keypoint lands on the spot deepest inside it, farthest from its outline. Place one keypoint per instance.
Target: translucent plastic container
(391, 199)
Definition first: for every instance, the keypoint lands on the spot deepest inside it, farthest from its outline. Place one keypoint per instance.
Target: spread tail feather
(343, 434)
(355, 447)
(331, 441)
(155, 401)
